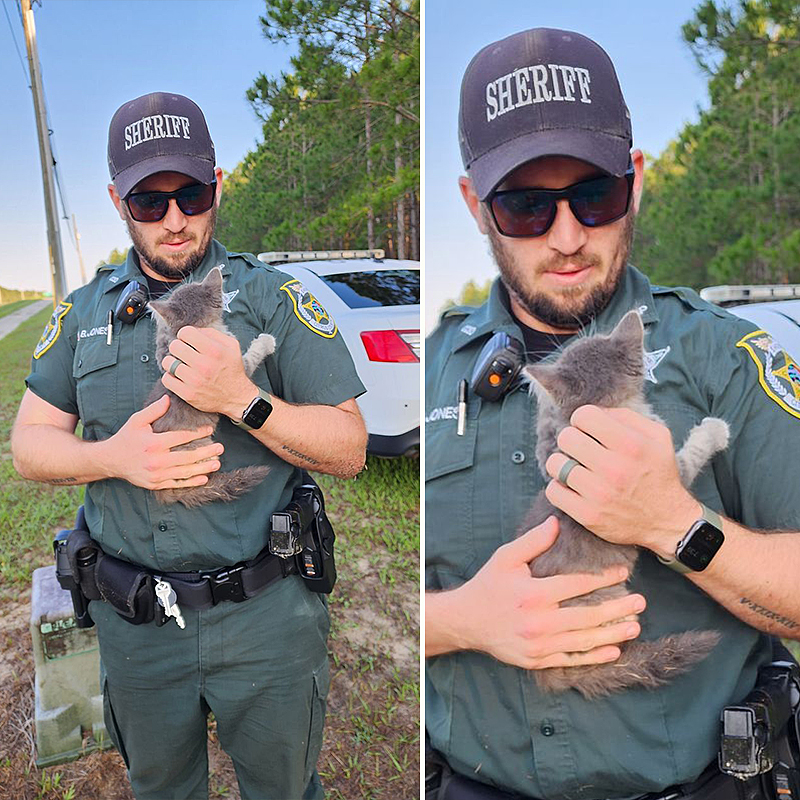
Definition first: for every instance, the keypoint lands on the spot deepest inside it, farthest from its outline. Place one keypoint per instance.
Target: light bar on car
(751, 293)
(391, 346)
(283, 256)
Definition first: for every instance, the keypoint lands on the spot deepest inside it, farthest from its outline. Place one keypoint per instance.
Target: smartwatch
(694, 552)
(255, 415)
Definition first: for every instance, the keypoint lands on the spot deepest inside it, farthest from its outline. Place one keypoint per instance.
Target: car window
(365, 289)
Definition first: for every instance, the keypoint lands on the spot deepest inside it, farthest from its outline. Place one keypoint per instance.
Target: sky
(96, 55)
(662, 86)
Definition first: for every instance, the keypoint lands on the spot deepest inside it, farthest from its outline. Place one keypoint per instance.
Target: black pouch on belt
(128, 589)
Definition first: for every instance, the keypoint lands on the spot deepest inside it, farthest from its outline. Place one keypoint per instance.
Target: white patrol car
(375, 303)
(773, 308)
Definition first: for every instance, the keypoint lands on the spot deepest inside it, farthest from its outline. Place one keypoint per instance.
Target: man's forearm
(50, 454)
(320, 438)
(442, 616)
(754, 576)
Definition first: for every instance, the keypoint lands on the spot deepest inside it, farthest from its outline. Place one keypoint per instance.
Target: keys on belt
(167, 599)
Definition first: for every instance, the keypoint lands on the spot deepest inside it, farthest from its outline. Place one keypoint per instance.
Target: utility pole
(78, 248)
(51, 212)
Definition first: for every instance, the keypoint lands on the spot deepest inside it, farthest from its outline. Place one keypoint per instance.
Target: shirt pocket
(449, 490)
(95, 371)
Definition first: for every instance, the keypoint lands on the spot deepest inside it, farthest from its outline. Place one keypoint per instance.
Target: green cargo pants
(260, 666)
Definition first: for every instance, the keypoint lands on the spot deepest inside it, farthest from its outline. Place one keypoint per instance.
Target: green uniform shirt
(489, 718)
(76, 370)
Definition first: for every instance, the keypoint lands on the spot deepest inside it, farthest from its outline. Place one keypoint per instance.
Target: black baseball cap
(159, 132)
(541, 92)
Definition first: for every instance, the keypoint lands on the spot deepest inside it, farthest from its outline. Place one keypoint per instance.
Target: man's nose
(174, 220)
(566, 234)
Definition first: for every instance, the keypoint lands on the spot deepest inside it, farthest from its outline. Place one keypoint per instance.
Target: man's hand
(211, 376)
(144, 458)
(516, 618)
(626, 488)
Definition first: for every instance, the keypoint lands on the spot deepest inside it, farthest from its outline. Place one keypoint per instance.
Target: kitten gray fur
(608, 371)
(200, 304)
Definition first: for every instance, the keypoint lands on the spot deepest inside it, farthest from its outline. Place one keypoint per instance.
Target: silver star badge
(226, 299)
(651, 361)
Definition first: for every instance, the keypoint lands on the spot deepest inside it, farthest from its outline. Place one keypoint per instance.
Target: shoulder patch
(52, 330)
(309, 310)
(778, 373)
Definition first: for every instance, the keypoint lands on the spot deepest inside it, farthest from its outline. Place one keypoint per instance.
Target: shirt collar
(634, 292)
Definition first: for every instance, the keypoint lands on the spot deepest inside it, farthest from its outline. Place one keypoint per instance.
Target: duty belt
(205, 589)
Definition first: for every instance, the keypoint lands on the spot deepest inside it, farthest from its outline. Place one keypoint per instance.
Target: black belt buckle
(227, 585)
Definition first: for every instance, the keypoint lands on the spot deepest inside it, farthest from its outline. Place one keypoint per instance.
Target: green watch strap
(678, 566)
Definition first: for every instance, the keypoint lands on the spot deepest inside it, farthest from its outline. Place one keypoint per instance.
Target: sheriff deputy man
(259, 665)
(552, 180)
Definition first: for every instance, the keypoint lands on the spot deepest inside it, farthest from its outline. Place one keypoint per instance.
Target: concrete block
(69, 700)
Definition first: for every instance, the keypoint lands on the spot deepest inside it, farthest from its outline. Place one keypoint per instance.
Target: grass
(371, 744)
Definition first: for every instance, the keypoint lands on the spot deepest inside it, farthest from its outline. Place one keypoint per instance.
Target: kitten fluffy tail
(221, 486)
(645, 664)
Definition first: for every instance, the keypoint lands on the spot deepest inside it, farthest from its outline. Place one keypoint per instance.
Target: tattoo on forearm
(299, 455)
(58, 481)
(765, 612)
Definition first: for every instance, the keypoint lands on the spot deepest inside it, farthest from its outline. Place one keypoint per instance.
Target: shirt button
(518, 456)
(162, 526)
(547, 729)
(144, 358)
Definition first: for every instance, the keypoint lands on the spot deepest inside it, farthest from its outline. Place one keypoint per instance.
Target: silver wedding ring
(174, 366)
(564, 472)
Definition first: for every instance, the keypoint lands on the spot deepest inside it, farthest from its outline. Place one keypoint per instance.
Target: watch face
(257, 412)
(700, 545)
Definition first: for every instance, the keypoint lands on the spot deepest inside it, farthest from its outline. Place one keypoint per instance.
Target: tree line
(338, 167)
(722, 202)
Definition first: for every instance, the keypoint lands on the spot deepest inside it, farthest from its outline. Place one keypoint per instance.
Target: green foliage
(114, 257)
(722, 202)
(339, 163)
(472, 294)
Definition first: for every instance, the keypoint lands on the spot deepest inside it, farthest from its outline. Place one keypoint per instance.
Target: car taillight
(396, 346)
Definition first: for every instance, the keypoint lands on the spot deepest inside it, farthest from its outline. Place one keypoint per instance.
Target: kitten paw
(718, 432)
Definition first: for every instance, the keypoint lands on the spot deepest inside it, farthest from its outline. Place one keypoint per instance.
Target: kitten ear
(544, 376)
(214, 279)
(630, 329)
(160, 309)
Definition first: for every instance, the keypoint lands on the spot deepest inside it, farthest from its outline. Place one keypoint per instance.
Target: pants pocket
(319, 696)
(111, 724)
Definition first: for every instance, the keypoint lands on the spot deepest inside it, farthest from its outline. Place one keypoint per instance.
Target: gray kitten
(200, 304)
(608, 371)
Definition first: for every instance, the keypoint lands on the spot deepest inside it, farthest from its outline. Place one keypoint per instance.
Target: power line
(19, 53)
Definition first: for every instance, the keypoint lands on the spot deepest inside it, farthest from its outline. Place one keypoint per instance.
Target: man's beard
(183, 263)
(570, 308)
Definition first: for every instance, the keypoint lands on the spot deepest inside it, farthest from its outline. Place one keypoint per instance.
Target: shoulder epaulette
(249, 258)
(457, 311)
(107, 268)
(689, 297)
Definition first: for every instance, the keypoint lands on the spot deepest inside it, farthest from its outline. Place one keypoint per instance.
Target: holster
(128, 589)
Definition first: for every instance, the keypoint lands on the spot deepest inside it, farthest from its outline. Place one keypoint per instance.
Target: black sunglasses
(191, 200)
(531, 212)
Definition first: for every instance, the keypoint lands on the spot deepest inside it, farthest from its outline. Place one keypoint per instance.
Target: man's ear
(218, 175)
(638, 179)
(116, 200)
(473, 203)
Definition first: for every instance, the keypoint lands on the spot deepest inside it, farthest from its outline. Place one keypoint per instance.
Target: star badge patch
(309, 310)
(778, 372)
(52, 330)
(226, 299)
(651, 361)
